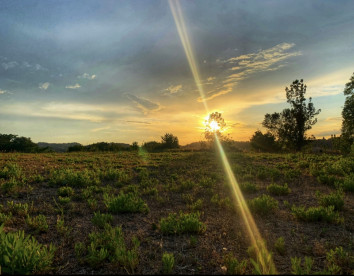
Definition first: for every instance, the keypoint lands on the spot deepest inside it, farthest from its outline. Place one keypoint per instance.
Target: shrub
(38, 223)
(10, 170)
(182, 223)
(276, 189)
(22, 254)
(320, 213)
(335, 199)
(338, 261)
(5, 218)
(68, 177)
(101, 220)
(18, 208)
(263, 204)
(168, 262)
(66, 191)
(248, 187)
(348, 183)
(296, 266)
(234, 266)
(125, 203)
(280, 246)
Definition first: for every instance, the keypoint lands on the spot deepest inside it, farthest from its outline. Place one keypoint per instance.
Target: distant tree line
(14, 143)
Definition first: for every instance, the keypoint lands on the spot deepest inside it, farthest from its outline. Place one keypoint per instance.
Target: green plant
(68, 177)
(296, 266)
(92, 203)
(280, 246)
(234, 266)
(182, 223)
(38, 223)
(276, 189)
(64, 199)
(125, 203)
(5, 218)
(248, 187)
(18, 208)
(348, 183)
(197, 205)
(261, 259)
(22, 254)
(80, 249)
(339, 261)
(335, 199)
(168, 262)
(66, 191)
(101, 220)
(11, 170)
(320, 213)
(61, 228)
(263, 204)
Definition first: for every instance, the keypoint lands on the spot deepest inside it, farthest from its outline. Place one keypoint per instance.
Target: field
(174, 212)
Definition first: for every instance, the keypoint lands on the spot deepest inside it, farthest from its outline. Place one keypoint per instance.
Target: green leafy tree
(290, 125)
(348, 116)
(169, 141)
(264, 142)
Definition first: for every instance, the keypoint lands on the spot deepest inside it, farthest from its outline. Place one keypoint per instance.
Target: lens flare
(264, 258)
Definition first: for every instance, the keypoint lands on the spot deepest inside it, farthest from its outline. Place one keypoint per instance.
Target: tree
(290, 126)
(348, 116)
(214, 125)
(169, 141)
(264, 142)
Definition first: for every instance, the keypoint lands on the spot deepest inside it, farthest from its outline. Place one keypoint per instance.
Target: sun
(213, 126)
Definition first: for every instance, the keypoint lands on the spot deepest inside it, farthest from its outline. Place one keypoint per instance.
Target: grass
(182, 223)
(276, 189)
(168, 262)
(314, 214)
(263, 204)
(125, 203)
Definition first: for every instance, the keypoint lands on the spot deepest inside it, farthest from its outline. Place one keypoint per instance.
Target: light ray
(263, 256)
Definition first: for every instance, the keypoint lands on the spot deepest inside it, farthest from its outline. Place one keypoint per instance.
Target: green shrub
(313, 214)
(66, 191)
(11, 186)
(276, 189)
(348, 183)
(68, 177)
(168, 262)
(5, 218)
(248, 187)
(38, 223)
(335, 199)
(234, 266)
(280, 246)
(125, 203)
(197, 205)
(117, 175)
(339, 261)
(297, 269)
(182, 223)
(10, 170)
(263, 204)
(64, 199)
(326, 179)
(101, 220)
(22, 254)
(18, 208)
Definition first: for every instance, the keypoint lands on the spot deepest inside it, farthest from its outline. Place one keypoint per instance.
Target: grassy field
(173, 212)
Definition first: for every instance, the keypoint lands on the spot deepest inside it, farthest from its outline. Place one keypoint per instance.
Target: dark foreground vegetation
(173, 212)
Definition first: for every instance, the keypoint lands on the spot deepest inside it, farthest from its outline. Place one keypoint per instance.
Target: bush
(276, 189)
(335, 199)
(68, 177)
(182, 223)
(38, 223)
(248, 187)
(168, 262)
(101, 220)
(234, 266)
(263, 204)
(125, 203)
(314, 214)
(66, 191)
(22, 254)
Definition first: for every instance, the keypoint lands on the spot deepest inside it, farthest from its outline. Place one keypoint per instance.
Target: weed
(125, 203)
(234, 266)
(168, 262)
(263, 204)
(92, 203)
(68, 177)
(61, 228)
(22, 254)
(335, 199)
(248, 187)
(182, 223)
(297, 269)
(5, 218)
(18, 208)
(66, 191)
(348, 183)
(11, 170)
(276, 189)
(39, 223)
(80, 249)
(337, 260)
(320, 213)
(64, 199)
(197, 205)
(100, 220)
(280, 246)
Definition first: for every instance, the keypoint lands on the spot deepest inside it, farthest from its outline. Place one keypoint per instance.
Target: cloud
(2, 91)
(76, 86)
(100, 129)
(139, 122)
(44, 86)
(9, 65)
(24, 65)
(87, 76)
(174, 89)
(236, 69)
(335, 119)
(144, 104)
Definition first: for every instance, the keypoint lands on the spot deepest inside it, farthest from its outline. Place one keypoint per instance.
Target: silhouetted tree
(152, 146)
(11, 142)
(348, 116)
(213, 126)
(134, 146)
(264, 142)
(169, 141)
(290, 125)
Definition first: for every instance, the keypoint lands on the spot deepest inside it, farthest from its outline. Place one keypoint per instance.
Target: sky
(116, 71)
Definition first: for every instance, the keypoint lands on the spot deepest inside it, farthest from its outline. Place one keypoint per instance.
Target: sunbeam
(264, 258)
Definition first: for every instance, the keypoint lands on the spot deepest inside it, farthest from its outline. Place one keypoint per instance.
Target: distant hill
(58, 147)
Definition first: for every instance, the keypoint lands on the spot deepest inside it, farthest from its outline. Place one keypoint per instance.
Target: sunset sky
(115, 71)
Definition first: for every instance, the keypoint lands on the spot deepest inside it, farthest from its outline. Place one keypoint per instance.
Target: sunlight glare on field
(264, 258)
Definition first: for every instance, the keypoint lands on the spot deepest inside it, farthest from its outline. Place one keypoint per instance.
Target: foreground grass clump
(39, 223)
(68, 177)
(248, 187)
(168, 262)
(20, 254)
(125, 203)
(276, 189)
(100, 220)
(313, 214)
(234, 266)
(109, 245)
(182, 223)
(263, 204)
(335, 199)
